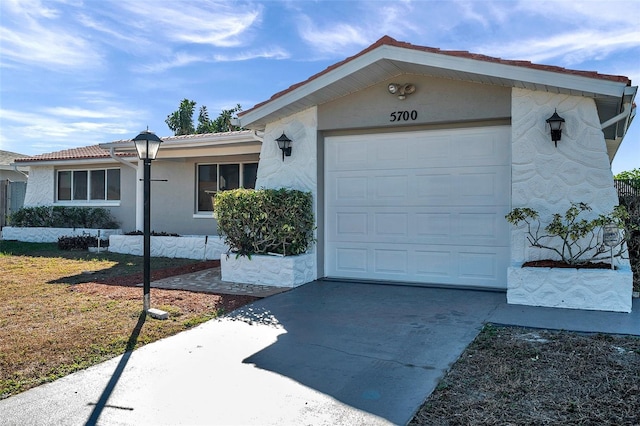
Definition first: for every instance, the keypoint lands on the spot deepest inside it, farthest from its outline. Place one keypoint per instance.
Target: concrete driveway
(325, 353)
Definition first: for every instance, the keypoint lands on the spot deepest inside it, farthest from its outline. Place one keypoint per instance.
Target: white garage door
(422, 207)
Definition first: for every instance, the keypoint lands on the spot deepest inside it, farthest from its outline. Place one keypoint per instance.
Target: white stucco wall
(299, 171)
(547, 178)
(40, 186)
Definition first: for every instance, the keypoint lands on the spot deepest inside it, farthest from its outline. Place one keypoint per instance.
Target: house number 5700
(403, 116)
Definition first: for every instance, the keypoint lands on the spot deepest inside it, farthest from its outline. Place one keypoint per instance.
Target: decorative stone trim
(51, 235)
(277, 271)
(591, 289)
(209, 247)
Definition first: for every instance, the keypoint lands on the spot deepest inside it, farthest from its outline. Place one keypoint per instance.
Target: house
(188, 171)
(12, 184)
(413, 155)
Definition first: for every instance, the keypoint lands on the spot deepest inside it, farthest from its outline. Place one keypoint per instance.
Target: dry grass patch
(56, 319)
(516, 376)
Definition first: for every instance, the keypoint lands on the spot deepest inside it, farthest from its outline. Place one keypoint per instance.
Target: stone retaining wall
(277, 271)
(51, 235)
(201, 247)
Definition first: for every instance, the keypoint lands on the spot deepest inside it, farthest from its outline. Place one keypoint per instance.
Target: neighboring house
(13, 182)
(187, 172)
(413, 186)
(409, 186)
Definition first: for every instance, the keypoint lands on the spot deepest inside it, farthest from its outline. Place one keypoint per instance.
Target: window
(94, 185)
(220, 177)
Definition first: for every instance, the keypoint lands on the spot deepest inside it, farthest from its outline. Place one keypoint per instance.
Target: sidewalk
(209, 281)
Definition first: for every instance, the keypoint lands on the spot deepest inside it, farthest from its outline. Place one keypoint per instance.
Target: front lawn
(62, 311)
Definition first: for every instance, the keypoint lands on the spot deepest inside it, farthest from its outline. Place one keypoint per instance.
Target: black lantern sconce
(284, 143)
(555, 123)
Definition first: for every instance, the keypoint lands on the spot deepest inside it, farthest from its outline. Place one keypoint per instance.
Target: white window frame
(88, 201)
(208, 213)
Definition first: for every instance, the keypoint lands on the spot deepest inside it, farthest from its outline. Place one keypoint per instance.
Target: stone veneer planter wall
(199, 247)
(277, 271)
(592, 289)
(51, 235)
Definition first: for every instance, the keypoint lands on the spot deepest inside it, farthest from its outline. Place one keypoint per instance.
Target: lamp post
(147, 145)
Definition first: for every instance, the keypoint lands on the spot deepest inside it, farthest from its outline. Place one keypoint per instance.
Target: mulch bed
(519, 376)
(548, 263)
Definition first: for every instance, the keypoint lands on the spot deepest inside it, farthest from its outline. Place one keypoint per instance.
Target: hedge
(265, 221)
(63, 217)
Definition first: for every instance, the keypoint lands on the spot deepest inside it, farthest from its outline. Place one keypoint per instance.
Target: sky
(76, 73)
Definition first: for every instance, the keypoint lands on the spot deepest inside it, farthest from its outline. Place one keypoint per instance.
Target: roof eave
(508, 74)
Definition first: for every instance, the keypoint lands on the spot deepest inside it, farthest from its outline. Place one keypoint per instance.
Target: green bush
(82, 242)
(265, 221)
(63, 217)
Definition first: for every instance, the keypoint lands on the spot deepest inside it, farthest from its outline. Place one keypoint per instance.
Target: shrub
(265, 221)
(579, 238)
(82, 242)
(63, 217)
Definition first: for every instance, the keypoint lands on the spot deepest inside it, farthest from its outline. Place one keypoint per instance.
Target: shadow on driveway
(378, 348)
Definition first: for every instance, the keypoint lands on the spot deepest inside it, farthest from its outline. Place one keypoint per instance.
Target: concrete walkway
(326, 353)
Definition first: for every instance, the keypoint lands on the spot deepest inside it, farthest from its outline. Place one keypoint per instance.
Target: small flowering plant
(580, 240)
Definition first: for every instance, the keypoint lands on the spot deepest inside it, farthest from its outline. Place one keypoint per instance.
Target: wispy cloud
(569, 48)
(219, 24)
(268, 53)
(34, 33)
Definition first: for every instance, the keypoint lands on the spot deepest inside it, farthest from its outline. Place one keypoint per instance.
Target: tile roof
(388, 41)
(95, 151)
(86, 152)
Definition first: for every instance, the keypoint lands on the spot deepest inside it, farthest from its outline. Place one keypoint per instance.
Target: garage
(421, 207)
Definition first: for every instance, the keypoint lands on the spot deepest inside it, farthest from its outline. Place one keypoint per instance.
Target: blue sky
(76, 73)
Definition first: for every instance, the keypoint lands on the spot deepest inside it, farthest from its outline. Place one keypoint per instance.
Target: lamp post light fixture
(284, 143)
(147, 145)
(555, 123)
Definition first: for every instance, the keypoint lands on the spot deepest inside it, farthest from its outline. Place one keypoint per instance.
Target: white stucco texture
(591, 289)
(51, 235)
(199, 247)
(547, 179)
(277, 271)
(40, 187)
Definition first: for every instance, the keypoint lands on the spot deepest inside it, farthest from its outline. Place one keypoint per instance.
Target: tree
(632, 176)
(181, 121)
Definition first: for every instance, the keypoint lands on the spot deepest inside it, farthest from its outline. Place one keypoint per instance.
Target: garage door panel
(423, 207)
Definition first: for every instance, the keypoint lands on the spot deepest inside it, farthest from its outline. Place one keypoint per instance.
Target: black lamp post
(147, 145)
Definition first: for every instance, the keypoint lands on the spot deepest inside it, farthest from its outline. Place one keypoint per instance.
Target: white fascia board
(195, 142)
(509, 72)
(439, 60)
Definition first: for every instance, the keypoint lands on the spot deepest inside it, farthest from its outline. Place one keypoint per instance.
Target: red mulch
(548, 263)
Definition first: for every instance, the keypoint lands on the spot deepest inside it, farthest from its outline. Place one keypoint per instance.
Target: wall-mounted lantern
(555, 123)
(284, 143)
(402, 90)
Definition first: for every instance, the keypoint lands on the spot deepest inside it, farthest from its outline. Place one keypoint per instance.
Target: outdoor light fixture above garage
(284, 143)
(555, 122)
(402, 90)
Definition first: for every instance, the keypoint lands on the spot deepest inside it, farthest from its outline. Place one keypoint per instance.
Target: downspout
(112, 154)
(15, 168)
(623, 115)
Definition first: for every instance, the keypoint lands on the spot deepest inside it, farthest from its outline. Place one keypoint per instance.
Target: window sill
(91, 203)
(203, 215)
